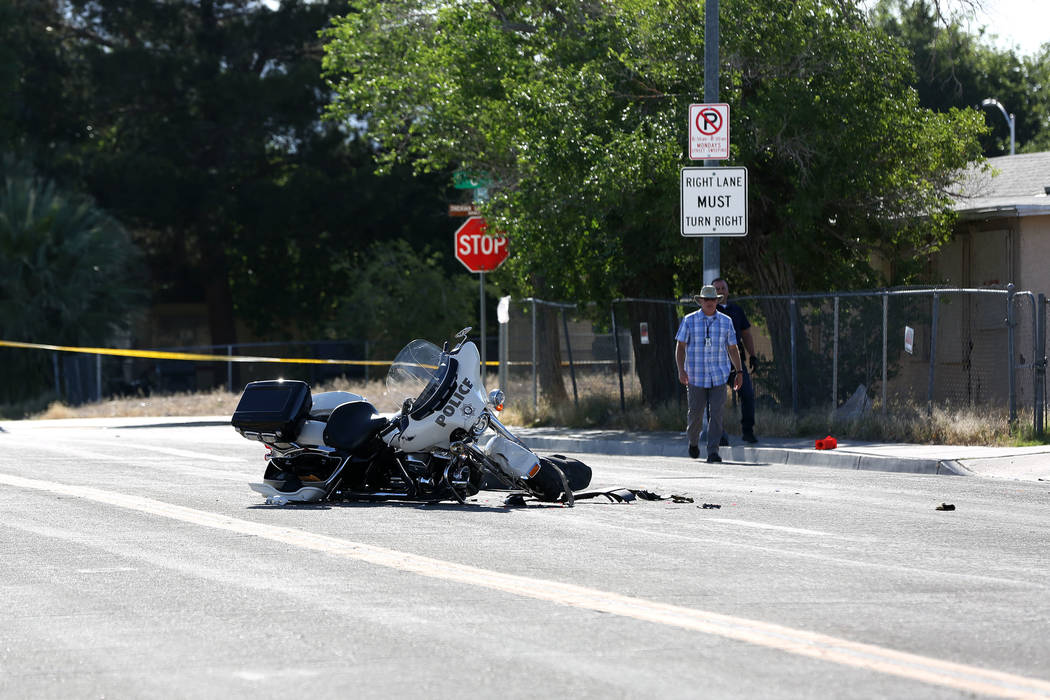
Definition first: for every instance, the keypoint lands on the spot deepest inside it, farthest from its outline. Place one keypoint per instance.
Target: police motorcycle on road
(446, 442)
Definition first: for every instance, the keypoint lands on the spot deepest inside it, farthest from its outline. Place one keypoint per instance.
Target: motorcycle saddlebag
(272, 410)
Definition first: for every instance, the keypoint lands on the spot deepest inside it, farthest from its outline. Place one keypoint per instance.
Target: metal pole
(1039, 376)
(98, 377)
(619, 358)
(835, 361)
(1010, 119)
(885, 344)
(229, 369)
(794, 360)
(933, 355)
(1011, 380)
(503, 332)
(54, 365)
(484, 367)
(535, 377)
(712, 251)
(568, 350)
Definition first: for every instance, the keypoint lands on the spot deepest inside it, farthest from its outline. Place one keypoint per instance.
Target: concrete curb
(632, 446)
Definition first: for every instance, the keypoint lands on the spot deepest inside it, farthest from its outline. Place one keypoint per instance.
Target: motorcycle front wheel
(547, 485)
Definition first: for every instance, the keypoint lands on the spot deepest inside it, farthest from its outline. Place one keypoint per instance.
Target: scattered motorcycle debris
(708, 506)
(945, 506)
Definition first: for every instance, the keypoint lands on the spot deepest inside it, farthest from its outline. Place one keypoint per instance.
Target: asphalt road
(137, 564)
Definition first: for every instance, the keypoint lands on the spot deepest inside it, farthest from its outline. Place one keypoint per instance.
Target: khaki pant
(699, 399)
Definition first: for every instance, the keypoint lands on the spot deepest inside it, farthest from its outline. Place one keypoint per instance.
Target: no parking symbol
(709, 131)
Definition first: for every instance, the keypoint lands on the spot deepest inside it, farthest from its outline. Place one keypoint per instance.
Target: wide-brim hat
(708, 292)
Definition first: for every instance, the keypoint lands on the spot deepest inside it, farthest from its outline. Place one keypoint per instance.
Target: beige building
(1003, 236)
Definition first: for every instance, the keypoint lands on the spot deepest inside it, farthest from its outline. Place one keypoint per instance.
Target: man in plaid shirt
(706, 352)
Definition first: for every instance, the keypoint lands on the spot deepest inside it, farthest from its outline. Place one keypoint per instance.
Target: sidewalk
(1024, 463)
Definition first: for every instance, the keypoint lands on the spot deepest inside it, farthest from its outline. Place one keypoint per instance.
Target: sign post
(480, 252)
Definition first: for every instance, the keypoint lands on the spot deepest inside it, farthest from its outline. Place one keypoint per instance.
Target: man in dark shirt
(746, 343)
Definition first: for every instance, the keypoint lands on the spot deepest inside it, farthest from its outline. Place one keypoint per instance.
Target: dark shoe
(749, 437)
(694, 451)
(724, 442)
(713, 458)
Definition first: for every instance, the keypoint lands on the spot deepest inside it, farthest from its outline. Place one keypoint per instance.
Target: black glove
(752, 363)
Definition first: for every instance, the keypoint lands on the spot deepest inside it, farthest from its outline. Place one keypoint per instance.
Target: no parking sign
(709, 132)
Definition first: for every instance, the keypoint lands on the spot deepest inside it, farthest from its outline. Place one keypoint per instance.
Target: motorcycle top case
(272, 408)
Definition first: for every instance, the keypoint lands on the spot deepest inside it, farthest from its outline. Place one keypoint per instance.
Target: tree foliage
(402, 293)
(955, 68)
(578, 110)
(67, 274)
(197, 123)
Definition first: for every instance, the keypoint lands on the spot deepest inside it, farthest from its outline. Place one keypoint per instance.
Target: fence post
(98, 377)
(1040, 365)
(1011, 379)
(54, 366)
(933, 355)
(794, 360)
(619, 358)
(568, 350)
(835, 361)
(229, 369)
(885, 344)
(535, 378)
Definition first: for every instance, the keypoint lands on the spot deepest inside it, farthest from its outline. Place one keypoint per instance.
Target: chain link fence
(852, 351)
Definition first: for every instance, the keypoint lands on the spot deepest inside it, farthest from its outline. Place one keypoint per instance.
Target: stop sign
(476, 249)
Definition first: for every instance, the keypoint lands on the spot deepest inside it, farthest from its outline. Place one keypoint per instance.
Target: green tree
(579, 112)
(68, 276)
(401, 293)
(954, 68)
(198, 125)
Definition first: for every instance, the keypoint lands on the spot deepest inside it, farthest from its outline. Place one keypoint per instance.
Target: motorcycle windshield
(415, 370)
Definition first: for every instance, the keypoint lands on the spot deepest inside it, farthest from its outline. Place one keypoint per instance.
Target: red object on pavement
(828, 443)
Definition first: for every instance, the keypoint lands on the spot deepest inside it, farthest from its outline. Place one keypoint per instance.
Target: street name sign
(463, 210)
(709, 132)
(714, 201)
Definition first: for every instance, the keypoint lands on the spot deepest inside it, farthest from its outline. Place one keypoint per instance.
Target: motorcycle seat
(352, 424)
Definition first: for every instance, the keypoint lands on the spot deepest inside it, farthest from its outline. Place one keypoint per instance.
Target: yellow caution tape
(164, 355)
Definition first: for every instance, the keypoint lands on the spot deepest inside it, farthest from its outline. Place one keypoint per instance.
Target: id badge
(707, 342)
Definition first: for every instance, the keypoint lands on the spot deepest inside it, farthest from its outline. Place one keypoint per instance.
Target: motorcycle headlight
(481, 426)
(496, 398)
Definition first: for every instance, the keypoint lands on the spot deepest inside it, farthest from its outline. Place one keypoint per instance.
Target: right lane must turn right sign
(714, 201)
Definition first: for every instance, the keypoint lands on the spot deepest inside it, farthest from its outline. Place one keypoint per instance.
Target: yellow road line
(823, 647)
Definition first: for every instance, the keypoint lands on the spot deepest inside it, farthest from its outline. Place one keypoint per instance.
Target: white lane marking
(796, 641)
(781, 528)
(80, 453)
(70, 447)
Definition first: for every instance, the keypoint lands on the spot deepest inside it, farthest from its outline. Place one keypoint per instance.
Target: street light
(1009, 118)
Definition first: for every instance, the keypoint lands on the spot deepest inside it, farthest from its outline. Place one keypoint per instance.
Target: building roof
(1017, 185)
